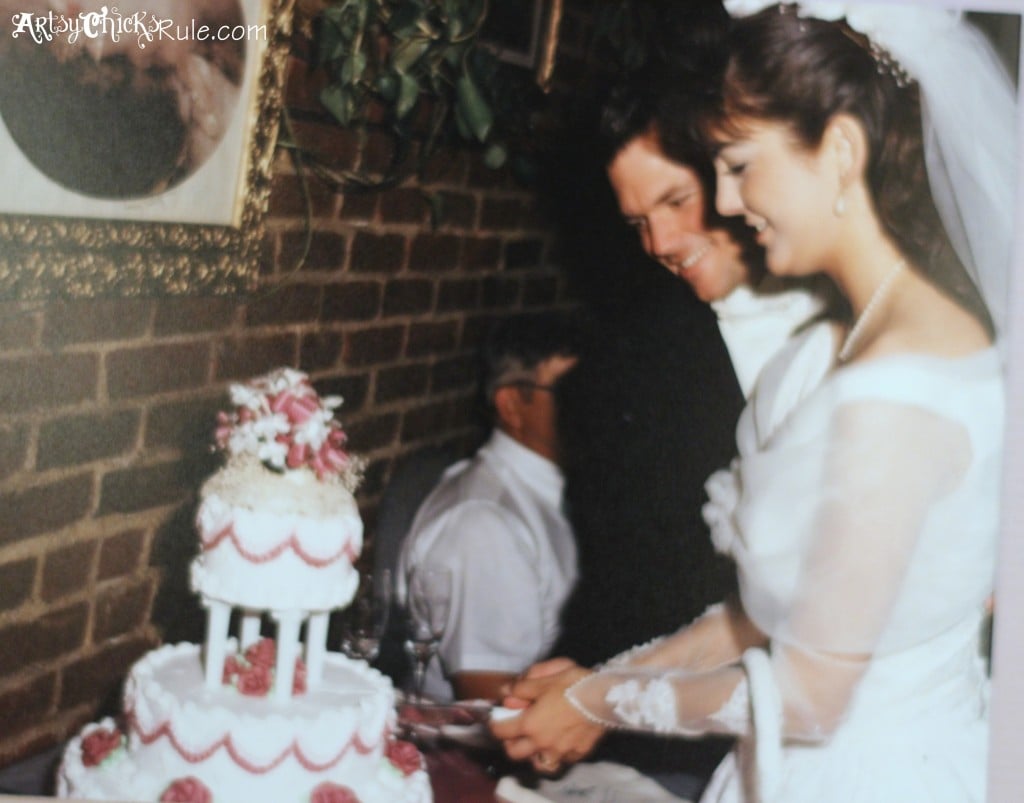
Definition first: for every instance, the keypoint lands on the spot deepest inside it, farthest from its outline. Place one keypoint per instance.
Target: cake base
(247, 748)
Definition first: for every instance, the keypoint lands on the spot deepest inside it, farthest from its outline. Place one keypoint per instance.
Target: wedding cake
(246, 718)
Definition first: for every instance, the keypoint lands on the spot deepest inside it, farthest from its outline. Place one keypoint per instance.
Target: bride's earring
(839, 207)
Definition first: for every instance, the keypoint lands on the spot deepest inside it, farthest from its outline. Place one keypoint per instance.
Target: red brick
(191, 314)
(319, 350)
(475, 329)
(67, 570)
(47, 381)
(361, 207)
(351, 301)
(425, 421)
(121, 609)
(142, 487)
(27, 703)
(377, 152)
(377, 253)
(13, 449)
(16, 582)
(445, 166)
(326, 252)
(502, 214)
(289, 197)
(184, 425)
(432, 338)
(403, 205)
(45, 508)
(99, 677)
(303, 82)
(458, 295)
(481, 253)
(375, 432)
(354, 389)
(372, 346)
(121, 554)
(18, 326)
(244, 358)
(458, 209)
(83, 438)
(403, 382)
(540, 291)
(337, 147)
(407, 296)
(501, 292)
(434, 252)
(96, 320)
(521, 254)
(46, 637)
(135, 372)
(282, 304)
(480, 175)
(456, 372)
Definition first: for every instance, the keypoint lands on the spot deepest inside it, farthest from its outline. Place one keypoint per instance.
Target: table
(458, 775)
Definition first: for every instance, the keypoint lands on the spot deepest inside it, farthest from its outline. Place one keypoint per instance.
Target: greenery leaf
(495, 155)
(408, 52)
(408, 93)
(476, 112)
(338, 102)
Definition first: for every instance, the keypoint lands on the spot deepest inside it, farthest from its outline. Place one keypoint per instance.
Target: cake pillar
(218, 619)
(288, 624)
(316, 647)
(250, 631)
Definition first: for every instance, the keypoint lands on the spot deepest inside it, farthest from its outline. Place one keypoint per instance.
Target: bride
(877, 149)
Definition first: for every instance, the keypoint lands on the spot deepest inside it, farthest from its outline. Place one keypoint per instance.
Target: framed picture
(137, 143)
(513, 30)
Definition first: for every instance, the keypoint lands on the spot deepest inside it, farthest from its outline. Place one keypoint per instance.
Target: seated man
(495, 521)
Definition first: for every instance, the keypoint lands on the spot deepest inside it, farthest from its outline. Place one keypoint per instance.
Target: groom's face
(664, 201)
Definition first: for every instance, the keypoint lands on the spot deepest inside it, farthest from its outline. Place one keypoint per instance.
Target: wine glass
(366, 618)
(429, 592)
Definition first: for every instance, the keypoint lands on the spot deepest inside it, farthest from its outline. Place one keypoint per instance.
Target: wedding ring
(546, 763)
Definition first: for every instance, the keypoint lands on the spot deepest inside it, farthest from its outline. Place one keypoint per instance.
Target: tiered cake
(246, 719)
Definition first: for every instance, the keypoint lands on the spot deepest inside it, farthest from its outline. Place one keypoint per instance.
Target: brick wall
(107, 406)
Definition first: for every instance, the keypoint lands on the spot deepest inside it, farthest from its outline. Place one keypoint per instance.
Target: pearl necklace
(853, 338)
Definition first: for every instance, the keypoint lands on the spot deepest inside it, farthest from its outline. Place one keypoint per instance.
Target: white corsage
(723, 492)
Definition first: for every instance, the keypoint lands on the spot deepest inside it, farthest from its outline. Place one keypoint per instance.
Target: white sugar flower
(723, 496)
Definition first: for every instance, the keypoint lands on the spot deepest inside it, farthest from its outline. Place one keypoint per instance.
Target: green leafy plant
(414, 66)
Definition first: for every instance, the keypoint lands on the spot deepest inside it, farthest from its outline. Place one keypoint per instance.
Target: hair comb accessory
(969, 117)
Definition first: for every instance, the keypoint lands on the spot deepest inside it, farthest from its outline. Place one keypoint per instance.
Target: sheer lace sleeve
(879, 473)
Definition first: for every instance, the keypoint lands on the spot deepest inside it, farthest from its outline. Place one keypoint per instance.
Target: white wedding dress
(864, 526)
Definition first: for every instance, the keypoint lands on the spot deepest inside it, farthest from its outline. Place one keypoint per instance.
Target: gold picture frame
(173, 243)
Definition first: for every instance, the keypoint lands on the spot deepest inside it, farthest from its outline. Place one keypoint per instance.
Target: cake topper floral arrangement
(282, 421)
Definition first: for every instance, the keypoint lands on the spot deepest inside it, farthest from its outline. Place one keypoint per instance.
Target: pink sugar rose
(262, 653)
(299, 678)
(186, 790)
(297, 454)
(405, 756)
(99, 744)
(254, 681)
(333, 793)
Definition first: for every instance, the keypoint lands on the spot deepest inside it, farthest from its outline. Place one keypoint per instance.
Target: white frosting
(248, 748)
(276, 541)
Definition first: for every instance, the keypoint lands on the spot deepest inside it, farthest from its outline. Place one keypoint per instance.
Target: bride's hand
(550, 731)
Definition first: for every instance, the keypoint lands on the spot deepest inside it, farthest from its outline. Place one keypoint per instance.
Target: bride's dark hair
(801, 72)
